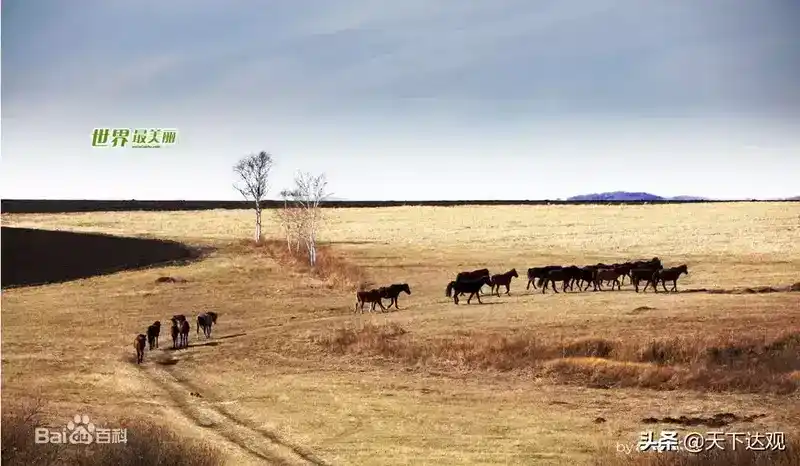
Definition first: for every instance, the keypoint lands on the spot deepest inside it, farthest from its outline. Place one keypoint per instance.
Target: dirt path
(259, 443)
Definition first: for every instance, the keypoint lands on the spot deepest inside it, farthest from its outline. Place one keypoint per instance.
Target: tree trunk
(258, 224)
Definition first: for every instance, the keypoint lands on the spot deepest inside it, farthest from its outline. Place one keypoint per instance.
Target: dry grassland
(293, 376)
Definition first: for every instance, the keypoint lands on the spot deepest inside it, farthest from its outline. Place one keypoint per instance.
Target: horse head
(514, 273)
(406, 288)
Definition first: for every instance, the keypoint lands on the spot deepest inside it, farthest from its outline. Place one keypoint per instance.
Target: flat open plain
(293, 376)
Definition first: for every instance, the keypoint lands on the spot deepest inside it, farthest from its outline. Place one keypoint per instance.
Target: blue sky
(419, 99)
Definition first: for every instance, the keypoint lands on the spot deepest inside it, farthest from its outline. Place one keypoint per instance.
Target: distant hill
(796, 198)
(628, 196)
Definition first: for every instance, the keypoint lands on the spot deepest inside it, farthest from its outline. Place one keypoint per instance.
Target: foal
(139, 343)
(372, 296)
(503, 279)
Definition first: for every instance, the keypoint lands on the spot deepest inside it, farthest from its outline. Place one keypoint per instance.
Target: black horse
(474, 275)
(535, 273)
(205, 321)
(473, 287)
(671, 274)
(392, 292)
(565, 275)
(152, 334)
(185, 327)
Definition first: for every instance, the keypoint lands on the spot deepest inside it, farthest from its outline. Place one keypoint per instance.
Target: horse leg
(479, 299)
(508, 288)
(675, 285)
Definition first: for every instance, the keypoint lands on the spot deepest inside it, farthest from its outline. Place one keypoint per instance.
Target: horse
(473, 287)
(152, 334)
(138, 344)
(205, 321)
(565, 275)
(671, 274)
(611, 275)
(503, 279)
(185, 327)
(371, 296)
(392, 292)
(178, 317)
(625, 271)
(474, 275)
(642, 273)
(538, 272)
(176, 331)
(586, 275)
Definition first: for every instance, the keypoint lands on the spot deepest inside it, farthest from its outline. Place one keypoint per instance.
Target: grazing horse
(371, 296)
(176, 332)
(185, 327)
(473, 287)
(503, 279)
(538, 272)
(152, 334)
(392, 292)
(205, 321)
(642, 273)
(609, 275)
(139, 343)
(474, 275)
(565, 275)
(671, 274)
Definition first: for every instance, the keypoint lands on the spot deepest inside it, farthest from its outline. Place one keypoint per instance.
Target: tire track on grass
(259, 443)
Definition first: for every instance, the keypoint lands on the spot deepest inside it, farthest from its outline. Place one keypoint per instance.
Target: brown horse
(373, 297)
(176, 332)
(503, 279)
(138, 344)
(152, 334)
(185, 327)
(672, 274)
(392, 292)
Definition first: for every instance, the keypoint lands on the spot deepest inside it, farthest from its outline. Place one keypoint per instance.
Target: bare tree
(253, 172)
(308, 193)
(290, 218)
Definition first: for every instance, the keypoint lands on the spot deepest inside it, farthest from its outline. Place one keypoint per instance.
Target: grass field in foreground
(292, 375)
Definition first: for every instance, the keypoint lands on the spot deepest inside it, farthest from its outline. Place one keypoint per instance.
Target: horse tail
(449, 289)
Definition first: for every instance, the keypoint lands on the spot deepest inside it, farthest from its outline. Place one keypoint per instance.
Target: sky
(411, 100)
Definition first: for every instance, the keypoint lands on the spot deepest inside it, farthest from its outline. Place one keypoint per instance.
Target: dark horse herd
(180, 333)
(651, 272)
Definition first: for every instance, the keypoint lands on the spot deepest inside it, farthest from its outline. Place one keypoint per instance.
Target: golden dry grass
(296, 377)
